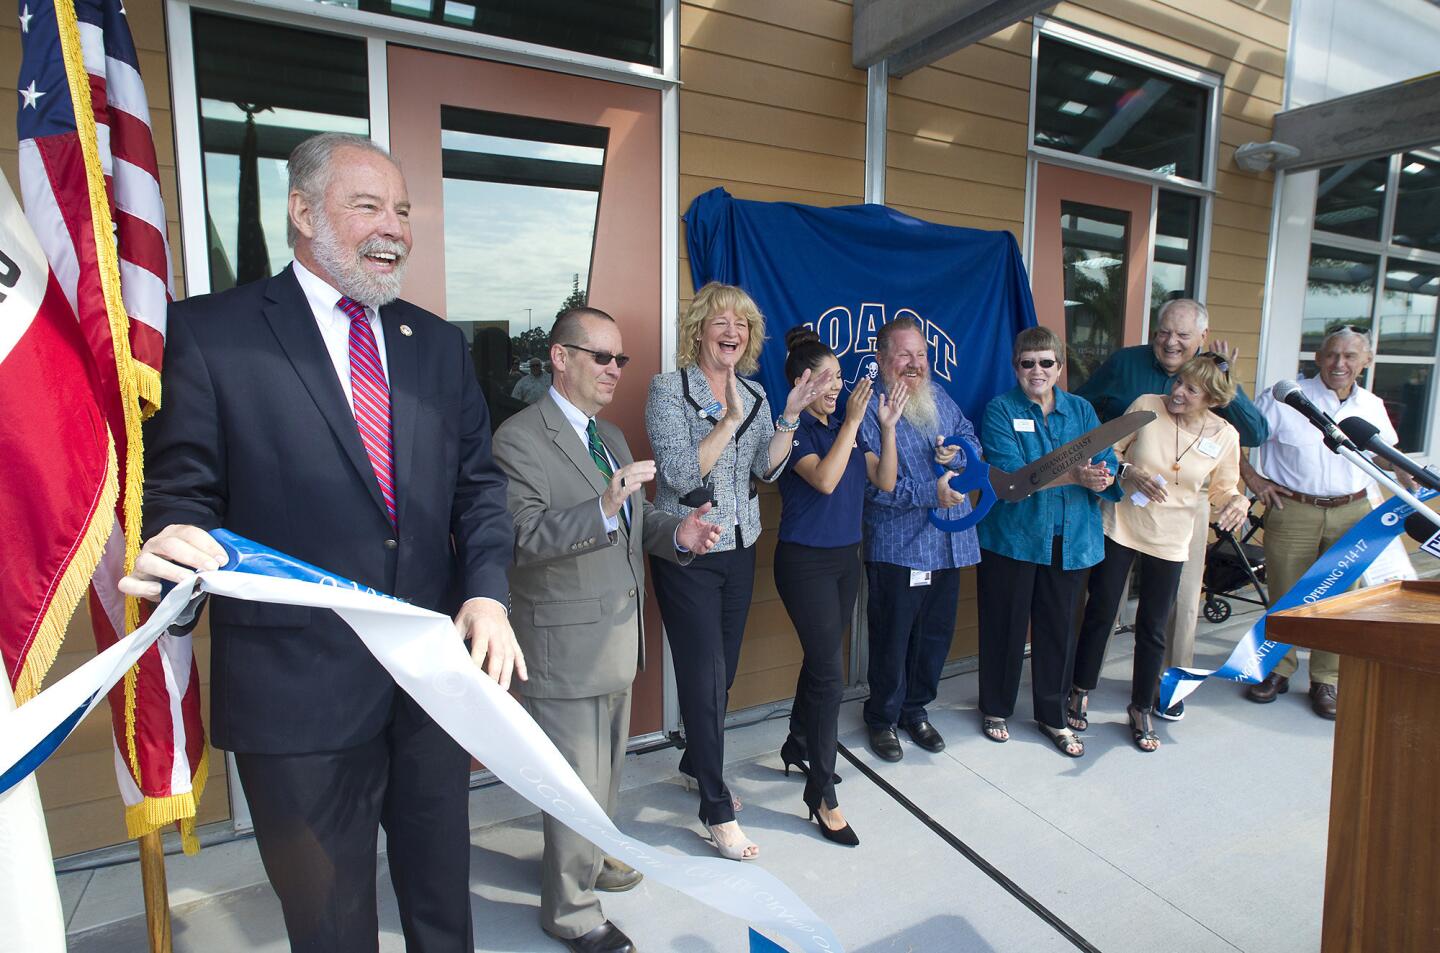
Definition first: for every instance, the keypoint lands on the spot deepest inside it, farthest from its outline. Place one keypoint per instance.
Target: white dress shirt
(1296, 457)
(581, 423)
(334, 326)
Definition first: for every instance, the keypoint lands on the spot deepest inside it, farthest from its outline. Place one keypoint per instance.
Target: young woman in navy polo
(817, 564)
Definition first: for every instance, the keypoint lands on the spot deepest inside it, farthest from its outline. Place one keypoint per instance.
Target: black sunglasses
(1220, 362)
(602, 357)
(1029, 362)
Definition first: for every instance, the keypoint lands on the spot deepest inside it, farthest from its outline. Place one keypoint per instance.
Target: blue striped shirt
(897, 524)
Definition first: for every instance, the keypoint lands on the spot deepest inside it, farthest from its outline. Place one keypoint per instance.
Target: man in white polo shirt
(1312, 496)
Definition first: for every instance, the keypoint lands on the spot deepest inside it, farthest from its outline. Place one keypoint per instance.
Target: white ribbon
(420, 650)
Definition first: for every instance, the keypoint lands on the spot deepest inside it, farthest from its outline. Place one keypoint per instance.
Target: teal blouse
(1025, 530)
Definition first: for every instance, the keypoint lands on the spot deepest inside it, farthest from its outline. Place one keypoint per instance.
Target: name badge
(919, 577)
(710, 411)
(1208, 447)
(1023, 425)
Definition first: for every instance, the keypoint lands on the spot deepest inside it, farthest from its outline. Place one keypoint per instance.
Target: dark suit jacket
(256, 436)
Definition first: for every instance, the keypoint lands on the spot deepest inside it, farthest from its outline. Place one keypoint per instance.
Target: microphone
(1367, 437)
(1288, 392)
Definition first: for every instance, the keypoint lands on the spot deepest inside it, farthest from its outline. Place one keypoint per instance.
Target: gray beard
(351, 277)
(920, 411)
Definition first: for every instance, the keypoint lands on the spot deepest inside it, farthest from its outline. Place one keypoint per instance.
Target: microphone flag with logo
(846, 272)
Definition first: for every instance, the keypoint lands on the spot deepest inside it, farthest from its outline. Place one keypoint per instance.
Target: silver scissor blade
(1051, 467)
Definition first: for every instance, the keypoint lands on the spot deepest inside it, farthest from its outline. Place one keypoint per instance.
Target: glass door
(1090, 269)
(533, 191)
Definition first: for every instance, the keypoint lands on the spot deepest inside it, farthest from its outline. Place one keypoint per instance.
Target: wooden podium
(1382, 873)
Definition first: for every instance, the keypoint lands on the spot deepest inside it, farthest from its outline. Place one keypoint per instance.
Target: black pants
(1159, 579)
(911, 628)
(1016, 596)
(818, 587)
(704, 606)
(317, 818)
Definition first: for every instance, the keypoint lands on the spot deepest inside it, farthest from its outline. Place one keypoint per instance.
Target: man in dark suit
(316, 413)
(582, 529)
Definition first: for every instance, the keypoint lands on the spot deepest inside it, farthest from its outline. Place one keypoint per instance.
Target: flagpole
(157, 895)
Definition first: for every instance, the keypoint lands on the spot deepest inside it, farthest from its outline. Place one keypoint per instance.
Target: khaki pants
(1294, 538)
(591, 733)
(1180, 633)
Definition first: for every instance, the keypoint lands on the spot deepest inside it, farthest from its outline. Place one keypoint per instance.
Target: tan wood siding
(83, 809)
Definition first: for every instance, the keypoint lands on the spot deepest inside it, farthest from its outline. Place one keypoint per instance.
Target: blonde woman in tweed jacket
(712, 435)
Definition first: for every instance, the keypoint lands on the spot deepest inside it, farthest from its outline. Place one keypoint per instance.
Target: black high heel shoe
(845, 836)
(792, 757)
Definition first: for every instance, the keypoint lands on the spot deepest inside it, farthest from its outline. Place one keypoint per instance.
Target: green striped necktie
(602, 461)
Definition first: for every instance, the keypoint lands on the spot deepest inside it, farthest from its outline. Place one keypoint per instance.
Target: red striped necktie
(370, 397)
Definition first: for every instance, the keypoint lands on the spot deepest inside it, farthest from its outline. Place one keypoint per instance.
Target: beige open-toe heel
(733, 845)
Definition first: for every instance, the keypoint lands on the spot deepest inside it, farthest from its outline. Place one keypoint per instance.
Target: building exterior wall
(772, 109)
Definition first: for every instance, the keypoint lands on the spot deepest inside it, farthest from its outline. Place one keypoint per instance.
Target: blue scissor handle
(975, 476)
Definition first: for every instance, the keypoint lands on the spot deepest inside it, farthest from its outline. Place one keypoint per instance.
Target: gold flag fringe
(73, 583)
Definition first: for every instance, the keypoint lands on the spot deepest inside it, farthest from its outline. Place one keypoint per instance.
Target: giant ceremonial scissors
(993, 484)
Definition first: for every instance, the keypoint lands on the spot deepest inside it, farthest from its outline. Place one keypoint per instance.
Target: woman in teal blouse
(1034, 551)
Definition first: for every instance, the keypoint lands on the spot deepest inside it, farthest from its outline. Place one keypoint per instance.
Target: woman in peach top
(1164, 465)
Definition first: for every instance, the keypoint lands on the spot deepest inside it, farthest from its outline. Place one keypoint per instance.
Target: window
(1094, 105)
(521, 198)
(626, 30)
(262, 90)
(1417, 212)
(1131, 117)
(1093, 242)
(1375, 265)
(1351, 197)
(1177, 239)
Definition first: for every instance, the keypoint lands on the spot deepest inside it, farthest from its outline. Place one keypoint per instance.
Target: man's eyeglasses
(601, 357)
(1220, 362)
(1029, 362)
(1351, 328)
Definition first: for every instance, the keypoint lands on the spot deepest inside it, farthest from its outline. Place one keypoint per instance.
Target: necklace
(1180, 453)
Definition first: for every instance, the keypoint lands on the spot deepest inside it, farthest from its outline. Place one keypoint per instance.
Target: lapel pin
(405, 330)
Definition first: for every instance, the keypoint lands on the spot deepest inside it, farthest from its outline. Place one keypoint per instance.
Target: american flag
(89, 180)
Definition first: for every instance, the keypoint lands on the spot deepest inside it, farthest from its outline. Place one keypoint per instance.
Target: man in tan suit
(582, 527)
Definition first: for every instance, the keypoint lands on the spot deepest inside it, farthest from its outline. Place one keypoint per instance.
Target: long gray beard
(921, 411)
(351, 277)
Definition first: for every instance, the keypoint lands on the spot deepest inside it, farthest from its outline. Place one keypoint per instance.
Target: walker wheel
(1216, 610)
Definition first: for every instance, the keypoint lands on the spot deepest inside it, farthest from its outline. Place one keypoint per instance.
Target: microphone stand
(1385, 480)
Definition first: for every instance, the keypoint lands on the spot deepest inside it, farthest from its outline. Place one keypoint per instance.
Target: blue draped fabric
(847, 271)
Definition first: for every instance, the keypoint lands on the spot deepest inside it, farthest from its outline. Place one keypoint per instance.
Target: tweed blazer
(577, 592)
(680, 412)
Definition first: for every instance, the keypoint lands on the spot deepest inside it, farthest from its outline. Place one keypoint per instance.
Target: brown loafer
(1322, 700)
(1265, 692)
(616, 876)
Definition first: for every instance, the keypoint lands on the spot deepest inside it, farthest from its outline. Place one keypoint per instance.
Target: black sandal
(997, 725)
(1063, 739)
(1077, 707)
(1142, 729)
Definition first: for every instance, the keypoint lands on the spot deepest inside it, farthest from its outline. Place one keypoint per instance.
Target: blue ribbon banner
(1255, 656)
(419, 650)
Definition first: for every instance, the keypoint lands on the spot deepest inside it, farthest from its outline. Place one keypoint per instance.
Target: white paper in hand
(1140, 499)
